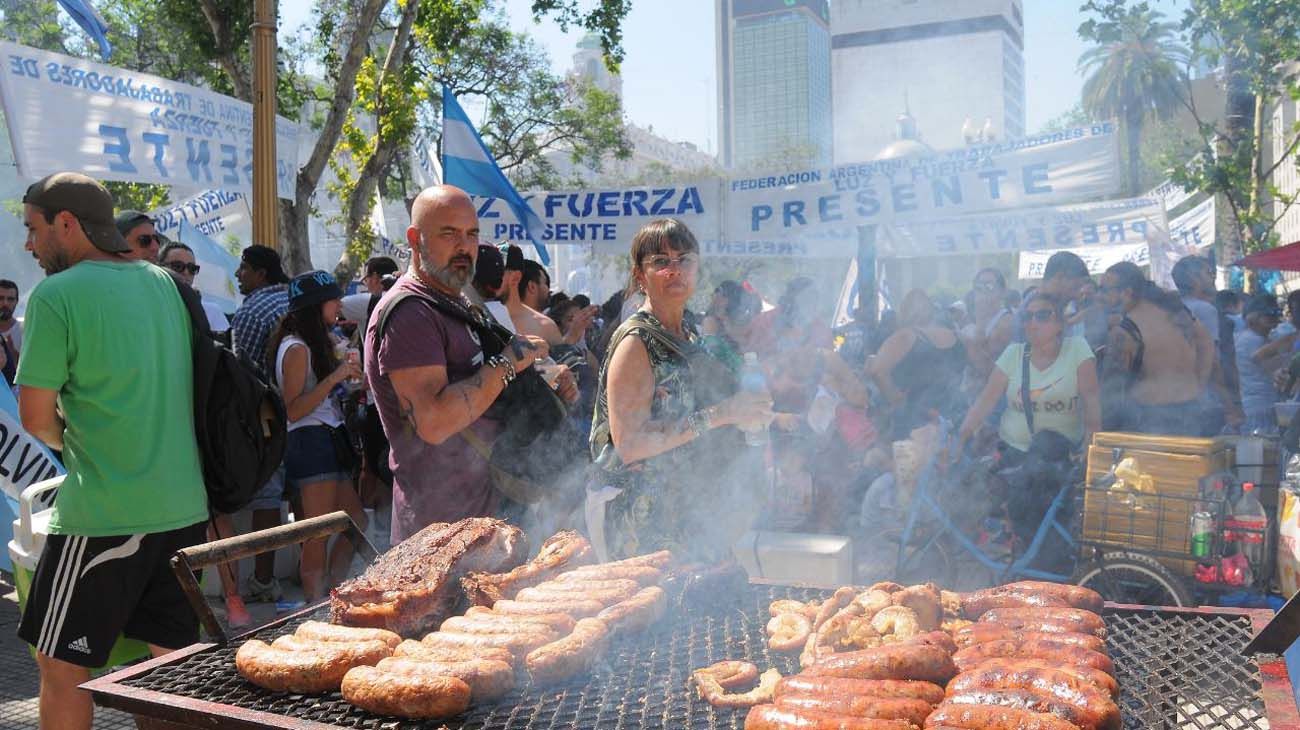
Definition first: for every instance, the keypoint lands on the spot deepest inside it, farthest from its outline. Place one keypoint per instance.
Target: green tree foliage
(1133, 74)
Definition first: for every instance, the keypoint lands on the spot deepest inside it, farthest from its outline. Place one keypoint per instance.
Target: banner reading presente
(67, 113)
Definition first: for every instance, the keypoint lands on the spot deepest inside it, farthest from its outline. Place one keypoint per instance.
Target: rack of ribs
(562, 551)
(413, 587)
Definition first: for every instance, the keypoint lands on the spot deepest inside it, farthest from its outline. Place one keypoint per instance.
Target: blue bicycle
(933, 542)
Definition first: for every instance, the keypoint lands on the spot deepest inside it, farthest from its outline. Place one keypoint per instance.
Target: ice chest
(30, 530)
(797, 558)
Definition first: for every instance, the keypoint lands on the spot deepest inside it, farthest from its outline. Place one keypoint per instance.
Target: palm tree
(1133, 74)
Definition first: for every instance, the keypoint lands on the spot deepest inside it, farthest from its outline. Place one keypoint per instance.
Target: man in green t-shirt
(106, 377)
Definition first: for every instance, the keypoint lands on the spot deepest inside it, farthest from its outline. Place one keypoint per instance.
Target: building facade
(774, 83)
(956, 65)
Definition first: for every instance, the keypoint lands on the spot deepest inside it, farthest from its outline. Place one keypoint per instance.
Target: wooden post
(265, 198)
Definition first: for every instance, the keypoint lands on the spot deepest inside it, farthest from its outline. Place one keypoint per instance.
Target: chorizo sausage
(644, 575)
(1078, 620)
(474, 625)
(991, 717)
(576, 608)
(488, 679)
(976, 603)
(561, 622)
(1077, 596)
(892, 661)
(971, 657)
(885, 708)
(558, 660)
(637, 613)
(418, 697)
(321, 631)
(771, 717)
(981, 633)
(517, 644)
(424, 652)
(843, 686)
(1076, 709)
(1095, 677)
(1094, 704)
(318, 670)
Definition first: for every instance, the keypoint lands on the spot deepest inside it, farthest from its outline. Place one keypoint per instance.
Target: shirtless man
(522, 285)
(1158, 358)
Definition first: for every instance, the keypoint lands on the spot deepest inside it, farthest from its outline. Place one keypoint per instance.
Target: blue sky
(669, 79)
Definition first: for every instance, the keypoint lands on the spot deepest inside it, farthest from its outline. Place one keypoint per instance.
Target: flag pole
(265, 198)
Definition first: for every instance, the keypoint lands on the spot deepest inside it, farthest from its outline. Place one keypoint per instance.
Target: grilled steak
(562, 551)
(413, 587)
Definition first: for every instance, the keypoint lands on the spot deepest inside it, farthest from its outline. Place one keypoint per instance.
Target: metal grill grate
(1175, 670)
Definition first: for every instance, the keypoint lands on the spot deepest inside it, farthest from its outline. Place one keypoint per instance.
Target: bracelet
(700, 422)
(508, 368)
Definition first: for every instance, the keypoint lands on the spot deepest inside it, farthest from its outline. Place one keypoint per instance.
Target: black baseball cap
(490, 267)
(514, 256)
(266, 259)
(128, 219)
(84, 198)
(312, 289)
(1263, 304)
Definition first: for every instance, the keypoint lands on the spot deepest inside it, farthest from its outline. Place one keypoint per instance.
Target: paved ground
(19, 681)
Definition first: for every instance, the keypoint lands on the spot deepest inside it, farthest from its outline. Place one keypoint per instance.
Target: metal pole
(265, 199)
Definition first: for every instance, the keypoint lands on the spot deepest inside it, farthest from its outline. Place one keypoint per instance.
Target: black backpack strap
(193, 302)
(1025, 404)
(1131, 328)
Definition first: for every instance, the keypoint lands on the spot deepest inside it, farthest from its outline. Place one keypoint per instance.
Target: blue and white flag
(90, 21)
(467, 164)
(216, 278)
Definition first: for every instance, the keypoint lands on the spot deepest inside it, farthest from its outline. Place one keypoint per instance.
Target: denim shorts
(271, 493)
(310, 458)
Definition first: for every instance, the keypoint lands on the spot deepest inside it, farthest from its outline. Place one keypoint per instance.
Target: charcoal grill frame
(1276, 690)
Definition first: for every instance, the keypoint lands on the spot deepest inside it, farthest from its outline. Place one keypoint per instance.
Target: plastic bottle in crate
(753, 380)
(1247, 525)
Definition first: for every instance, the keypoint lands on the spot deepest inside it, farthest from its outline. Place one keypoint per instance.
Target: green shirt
(1054, 392)
(114, 340)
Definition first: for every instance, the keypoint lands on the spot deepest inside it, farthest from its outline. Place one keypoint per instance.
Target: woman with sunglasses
(179, 258)
(302, 355)
(656, 433)
(1062, 394)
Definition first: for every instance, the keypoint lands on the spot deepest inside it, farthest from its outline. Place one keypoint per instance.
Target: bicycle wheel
(1124, 577)
(924, 563)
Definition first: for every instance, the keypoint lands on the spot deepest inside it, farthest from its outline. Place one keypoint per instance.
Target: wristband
(700, 422)
(507, 368)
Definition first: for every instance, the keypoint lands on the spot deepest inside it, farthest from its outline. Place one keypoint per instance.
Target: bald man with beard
(428, 374)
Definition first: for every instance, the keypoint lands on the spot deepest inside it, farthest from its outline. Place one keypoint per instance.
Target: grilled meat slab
(562, 551)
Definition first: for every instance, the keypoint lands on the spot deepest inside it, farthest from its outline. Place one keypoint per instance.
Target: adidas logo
(80, 645)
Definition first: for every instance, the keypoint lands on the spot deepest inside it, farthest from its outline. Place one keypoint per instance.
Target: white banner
(1195, 228)
(215, 213)
(1032, 263)
(1170, 194)
(1071, 166)
(68, 113)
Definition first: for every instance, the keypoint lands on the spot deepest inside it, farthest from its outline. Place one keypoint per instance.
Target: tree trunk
(358, 204)
(1258, 183)
(227, 61)
(1133, 139)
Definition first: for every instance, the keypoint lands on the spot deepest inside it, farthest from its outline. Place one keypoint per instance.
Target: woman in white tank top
(307, 371)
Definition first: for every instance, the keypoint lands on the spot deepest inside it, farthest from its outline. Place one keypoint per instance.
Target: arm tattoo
(408, 413)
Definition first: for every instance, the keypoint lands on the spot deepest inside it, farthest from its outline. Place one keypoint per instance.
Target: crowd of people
(464, 386)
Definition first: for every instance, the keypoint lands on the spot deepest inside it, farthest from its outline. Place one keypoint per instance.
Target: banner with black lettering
(67, 113)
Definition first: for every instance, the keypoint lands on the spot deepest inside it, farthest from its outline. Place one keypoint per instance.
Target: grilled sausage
(971, 657)
(424, 652)
(1089, 713)
(636, 613)
(1088, 675)
(1078, 620)
(924, 602)
(320, 669)
(992, 717)
(576, 608)
(321, 631)
(547, 593)
(1058, 684)
(561, 659)
(517, 644)
(892, 661)
(982, 633)
(940, 639)
(976, 603)
(729, 674)
(884, 708)
(1077, 596)
(414, 696)
(803, 684)
(475, 625)
(581, 584)
(488, 679)
(561, 622)
(644, 575)
(771, 717)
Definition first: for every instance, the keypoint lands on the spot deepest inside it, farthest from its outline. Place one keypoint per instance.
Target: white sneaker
(259, 592)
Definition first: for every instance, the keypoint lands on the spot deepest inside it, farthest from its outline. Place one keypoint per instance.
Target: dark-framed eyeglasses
(181, 267)
(1038, 315)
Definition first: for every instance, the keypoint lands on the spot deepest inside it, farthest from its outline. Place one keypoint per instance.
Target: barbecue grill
(1177, 668)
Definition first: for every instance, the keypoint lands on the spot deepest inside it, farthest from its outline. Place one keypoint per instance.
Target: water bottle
(752, 380)
(1249, 524)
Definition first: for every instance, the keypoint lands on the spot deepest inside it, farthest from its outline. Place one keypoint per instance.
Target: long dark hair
(308, 324)
(1129, 276)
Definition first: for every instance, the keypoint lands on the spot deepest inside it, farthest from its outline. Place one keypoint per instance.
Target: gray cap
(84, 198)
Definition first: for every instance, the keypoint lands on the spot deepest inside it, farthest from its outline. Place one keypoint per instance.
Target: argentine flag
(85, 15)
(467, 164)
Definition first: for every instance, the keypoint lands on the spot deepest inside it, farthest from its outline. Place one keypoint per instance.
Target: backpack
(240, 422)
(534, 456)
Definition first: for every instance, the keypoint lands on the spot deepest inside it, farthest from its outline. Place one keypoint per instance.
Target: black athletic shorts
(87, 590)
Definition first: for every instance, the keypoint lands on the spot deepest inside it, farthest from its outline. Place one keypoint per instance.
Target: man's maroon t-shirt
(441, 483)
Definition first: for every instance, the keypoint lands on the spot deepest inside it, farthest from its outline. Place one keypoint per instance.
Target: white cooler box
(796, 558)
(30, 530)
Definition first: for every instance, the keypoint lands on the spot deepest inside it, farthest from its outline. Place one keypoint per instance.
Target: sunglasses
(687, 261)
(148, 239)
(1038, 315)
(985, 286)
(181, 267)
